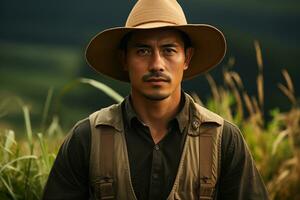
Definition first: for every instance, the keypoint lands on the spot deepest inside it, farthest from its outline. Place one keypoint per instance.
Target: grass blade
(213, 87)
(104, 88)
(10, 140)
(27, 124)
(260, 90)
(258, 55)
(288, 93)
(288, 80)
(278, 140)
(44, 152)
(16, 160)
(46, 108)
(12, 194)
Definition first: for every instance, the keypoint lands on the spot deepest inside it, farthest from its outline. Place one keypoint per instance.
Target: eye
(169, 51)
(143, 51)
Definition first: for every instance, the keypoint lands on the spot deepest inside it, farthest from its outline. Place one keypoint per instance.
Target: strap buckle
(206, 191)
(104, 188)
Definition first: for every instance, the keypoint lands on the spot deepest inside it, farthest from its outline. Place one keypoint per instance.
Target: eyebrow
(174, 44)
(141, 45)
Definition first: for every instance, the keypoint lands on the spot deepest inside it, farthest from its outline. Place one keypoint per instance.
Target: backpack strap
(101, 167)
(210, 155)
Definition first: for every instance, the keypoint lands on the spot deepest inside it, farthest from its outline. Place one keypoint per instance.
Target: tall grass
(25, 164)
(275, 144)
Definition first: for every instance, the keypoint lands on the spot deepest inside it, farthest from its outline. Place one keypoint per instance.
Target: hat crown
(156, 11)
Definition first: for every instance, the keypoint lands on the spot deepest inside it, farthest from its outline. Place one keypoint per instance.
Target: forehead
(156, 35)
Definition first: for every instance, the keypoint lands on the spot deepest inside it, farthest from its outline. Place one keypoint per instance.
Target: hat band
(154, 24)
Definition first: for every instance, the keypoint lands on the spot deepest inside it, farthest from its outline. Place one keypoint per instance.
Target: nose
(156, 62)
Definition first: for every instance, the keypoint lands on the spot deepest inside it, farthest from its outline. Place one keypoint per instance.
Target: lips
(156, 80)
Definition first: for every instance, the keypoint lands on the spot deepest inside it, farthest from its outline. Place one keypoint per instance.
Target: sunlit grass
(275, 144)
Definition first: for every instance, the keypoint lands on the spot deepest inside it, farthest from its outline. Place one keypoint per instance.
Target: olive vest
(198, 169)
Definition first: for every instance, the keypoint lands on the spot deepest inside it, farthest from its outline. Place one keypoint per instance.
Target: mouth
(156, 80)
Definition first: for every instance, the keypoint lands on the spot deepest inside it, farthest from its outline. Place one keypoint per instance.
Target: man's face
(155, 61)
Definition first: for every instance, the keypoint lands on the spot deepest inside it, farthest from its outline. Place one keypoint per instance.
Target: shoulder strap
(101, 166)
(209, 128)
(210, 156)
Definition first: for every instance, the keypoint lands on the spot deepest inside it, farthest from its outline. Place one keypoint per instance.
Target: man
(158, 143)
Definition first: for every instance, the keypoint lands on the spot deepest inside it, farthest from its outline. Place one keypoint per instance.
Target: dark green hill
(42, 45)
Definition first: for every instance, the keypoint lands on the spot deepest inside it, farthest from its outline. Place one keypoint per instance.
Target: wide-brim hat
(209, 43)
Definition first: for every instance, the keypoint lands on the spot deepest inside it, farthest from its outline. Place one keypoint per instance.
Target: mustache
(157, 75)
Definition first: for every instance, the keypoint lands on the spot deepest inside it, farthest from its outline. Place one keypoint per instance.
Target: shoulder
(82, 126)
(78, 139)
(69, 173)
(231, 131)
(81, 129)
(239, 178)
(231, 136)
(109, 116)
(234, 148)
(204, 114)
(109, 110)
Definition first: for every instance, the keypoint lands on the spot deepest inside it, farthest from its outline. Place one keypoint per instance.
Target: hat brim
(209, 49)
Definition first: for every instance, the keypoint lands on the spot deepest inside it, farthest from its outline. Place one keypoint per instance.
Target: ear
(123, 59)
(189, 52)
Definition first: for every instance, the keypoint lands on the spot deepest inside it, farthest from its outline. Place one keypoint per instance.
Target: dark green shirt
(154, 167)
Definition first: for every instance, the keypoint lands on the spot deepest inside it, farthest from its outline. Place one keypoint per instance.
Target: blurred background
(42, 46)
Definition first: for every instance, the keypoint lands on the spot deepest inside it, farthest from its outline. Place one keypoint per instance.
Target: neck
(156, 114)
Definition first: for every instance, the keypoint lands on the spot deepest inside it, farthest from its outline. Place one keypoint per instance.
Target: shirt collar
(129, 113)
(182, 117)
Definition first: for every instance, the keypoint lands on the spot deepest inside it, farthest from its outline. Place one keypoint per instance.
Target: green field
(26, 162)
(30, 71)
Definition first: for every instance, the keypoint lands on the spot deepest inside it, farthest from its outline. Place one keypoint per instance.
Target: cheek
(131, 65)
(178, 65)
(135, 71)
(178, 60)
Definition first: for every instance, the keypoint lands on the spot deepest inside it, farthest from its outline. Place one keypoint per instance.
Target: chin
(156, 97)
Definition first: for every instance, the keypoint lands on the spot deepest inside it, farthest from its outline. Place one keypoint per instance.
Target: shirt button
(155, 175)
(156, 147)
(195, 124)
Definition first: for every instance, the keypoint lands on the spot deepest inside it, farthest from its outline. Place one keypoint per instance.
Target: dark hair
(125, 40)
(185, 38)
